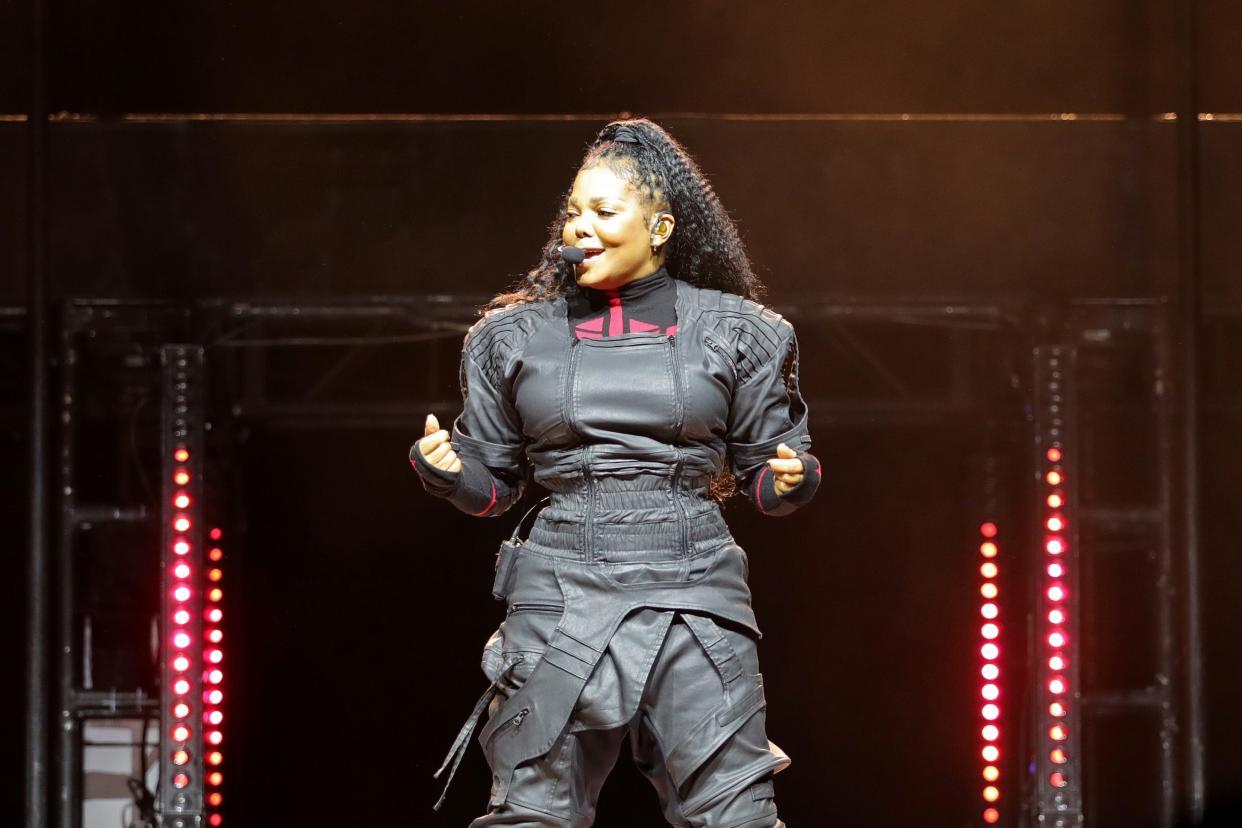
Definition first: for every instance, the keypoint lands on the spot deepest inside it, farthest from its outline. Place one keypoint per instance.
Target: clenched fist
(786, 469)
(436, 448)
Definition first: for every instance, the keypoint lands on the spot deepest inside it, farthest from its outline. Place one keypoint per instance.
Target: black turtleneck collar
(632, 289)
(641, 305)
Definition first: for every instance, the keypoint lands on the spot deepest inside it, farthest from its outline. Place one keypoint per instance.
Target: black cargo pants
(687, 695)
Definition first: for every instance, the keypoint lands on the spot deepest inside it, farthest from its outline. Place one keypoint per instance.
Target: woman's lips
(591, 255)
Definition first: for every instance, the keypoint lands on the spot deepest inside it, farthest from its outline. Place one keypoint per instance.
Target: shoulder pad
(499, 333)
(731, 311)
(758, 334)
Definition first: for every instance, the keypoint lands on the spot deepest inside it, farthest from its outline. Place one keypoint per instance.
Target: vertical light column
(1058, 736)
(213, 678)
(180, 800)
(990, 671)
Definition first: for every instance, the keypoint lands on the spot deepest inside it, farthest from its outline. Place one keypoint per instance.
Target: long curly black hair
(704, 250)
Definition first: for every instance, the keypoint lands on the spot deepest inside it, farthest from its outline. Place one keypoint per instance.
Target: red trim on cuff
(759, 489)
(489, 506)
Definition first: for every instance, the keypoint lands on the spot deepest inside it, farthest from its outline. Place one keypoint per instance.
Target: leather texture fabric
(629, 614)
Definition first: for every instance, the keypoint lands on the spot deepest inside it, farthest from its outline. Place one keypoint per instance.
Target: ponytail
(705, 249)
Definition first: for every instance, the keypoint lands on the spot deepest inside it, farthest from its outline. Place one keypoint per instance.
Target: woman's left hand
(786, 469)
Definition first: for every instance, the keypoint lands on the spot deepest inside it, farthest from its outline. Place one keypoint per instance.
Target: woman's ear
(662, 229)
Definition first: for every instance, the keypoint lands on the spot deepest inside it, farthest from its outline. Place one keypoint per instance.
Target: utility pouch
(507, 556)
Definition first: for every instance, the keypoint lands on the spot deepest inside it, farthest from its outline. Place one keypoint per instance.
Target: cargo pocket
(499, 667)
(523, 638)
(529, 626)
(742, 698)
(708, 735)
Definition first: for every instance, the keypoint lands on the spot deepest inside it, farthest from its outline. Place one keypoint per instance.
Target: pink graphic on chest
(617, 323)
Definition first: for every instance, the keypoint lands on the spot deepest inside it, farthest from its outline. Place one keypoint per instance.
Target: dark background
(360, 604)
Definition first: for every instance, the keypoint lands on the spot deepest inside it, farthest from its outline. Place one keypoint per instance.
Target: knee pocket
(711, 733)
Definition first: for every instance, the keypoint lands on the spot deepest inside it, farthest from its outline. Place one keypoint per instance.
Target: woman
(638, 386)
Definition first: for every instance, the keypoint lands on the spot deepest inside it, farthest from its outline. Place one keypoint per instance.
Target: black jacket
(723, 388)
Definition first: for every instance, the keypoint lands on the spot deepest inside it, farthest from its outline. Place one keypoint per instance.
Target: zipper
(567, 399)
(681, 509)
(679, 423)
(535, 606)
(678, 427)
(711, 342)
(587, 453)
(570, 420)
(515, 722)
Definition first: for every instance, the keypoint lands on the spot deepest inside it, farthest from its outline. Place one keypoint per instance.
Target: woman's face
(605, 217)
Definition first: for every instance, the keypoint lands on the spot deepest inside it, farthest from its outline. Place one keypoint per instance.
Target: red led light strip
(213, 679)
(181, 639)
(181, 628)
(1057, 737)
(182, 654)
(990, 671)
(1056, 610)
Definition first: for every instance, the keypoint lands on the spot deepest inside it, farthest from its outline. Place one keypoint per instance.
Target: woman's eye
(607, 213)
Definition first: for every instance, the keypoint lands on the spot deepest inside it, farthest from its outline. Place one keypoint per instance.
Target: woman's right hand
(436, 448)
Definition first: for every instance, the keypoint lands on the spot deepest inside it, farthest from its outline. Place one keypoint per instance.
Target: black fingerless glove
(472, 489)
(762, 489)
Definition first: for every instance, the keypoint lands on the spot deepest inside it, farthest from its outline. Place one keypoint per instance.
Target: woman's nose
(582, 229)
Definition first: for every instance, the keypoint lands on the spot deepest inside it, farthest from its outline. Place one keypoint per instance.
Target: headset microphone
(573, 255)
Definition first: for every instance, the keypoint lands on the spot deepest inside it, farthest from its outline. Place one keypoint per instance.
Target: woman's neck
(635, 287)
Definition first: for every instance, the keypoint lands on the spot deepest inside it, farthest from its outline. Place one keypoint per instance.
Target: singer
(635, 375)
